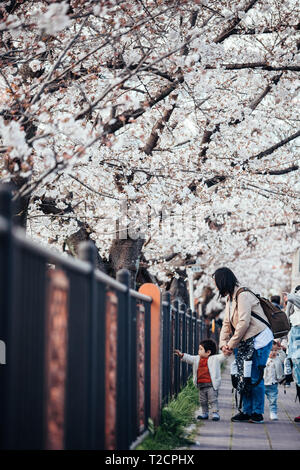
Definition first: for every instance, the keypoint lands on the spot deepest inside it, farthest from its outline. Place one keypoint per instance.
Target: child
(206, 376)
(272, 375)
(277, 346)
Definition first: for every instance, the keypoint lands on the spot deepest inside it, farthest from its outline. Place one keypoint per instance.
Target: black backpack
(278, 321)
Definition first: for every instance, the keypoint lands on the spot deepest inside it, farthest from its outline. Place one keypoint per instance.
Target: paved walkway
(283, 434)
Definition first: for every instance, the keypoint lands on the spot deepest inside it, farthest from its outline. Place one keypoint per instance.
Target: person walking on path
(292, 302)
(206, 376)
(250, 340)
(293, 352)
(272, 376)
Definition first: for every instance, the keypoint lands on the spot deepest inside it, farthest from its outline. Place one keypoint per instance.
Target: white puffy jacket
(214, 367)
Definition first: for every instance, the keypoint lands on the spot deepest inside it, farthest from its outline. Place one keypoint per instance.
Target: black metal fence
(78, 348)
(181, 330)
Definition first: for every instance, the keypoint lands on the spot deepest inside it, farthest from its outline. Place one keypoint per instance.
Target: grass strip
(178, 414)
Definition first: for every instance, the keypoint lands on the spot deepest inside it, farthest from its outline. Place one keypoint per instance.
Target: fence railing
(88, 360)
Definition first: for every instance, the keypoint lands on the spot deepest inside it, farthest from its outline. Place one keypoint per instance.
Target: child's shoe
(215, 416)
(273, 416)
(203, 416)
(297, 419)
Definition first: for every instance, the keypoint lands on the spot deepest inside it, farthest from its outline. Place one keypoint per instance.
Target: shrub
(175, 416)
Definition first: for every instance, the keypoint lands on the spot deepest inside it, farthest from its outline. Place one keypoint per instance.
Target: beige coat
(244, 323)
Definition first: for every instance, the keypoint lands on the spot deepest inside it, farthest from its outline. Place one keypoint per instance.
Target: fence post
(6, 279)
(172, 347)
(176, 346)
(202, 328)
(5, 265)
(166, 345)
(195, 334)
(198, 337)
(190, 336)
(88, 252)
(184, 343)
(56, 322)
(124, 384)
(154, 292)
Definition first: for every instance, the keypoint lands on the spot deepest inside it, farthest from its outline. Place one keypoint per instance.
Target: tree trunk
(126, 254)
(178, 290)
(20, 205)
(72, 242)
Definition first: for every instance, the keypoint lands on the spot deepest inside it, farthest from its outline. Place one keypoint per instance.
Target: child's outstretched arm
(185, 357)
(178, 353)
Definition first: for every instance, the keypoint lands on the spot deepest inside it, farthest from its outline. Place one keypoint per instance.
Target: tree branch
(229, 30)
(124, 118)
(256, 65)
(284, 171)
(272, 149)
(264, 30)
(158, 127)
(220, 178)
(279, 224)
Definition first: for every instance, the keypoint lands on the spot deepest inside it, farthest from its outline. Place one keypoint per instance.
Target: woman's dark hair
(209, 345)
(225, 281)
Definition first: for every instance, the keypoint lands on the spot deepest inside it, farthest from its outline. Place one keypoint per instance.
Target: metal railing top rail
(137, 295)
(179, 306)
(166, 304)
(186, 311)
(53, 256)
(173, 308)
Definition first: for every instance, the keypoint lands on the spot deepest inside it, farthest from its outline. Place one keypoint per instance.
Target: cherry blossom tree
(165, 131)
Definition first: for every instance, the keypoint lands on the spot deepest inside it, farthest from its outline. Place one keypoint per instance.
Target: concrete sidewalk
(283, 434)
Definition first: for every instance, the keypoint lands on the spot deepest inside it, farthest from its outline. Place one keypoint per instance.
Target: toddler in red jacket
(206, 376)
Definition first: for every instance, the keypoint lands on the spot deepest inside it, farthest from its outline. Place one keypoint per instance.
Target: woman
(248, 337)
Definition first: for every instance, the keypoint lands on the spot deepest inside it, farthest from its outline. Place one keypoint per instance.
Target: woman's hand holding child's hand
(226, 350)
